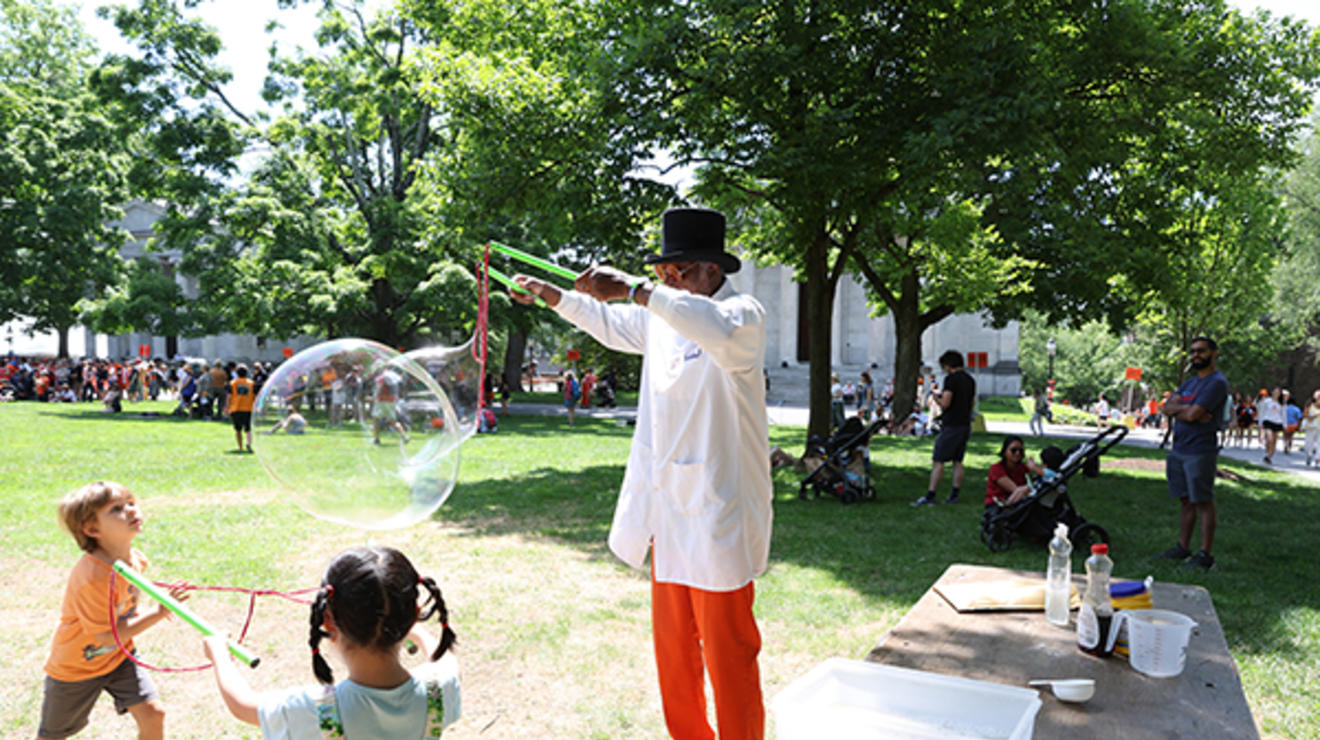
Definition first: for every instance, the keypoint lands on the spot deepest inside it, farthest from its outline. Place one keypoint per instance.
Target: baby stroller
(843, 462)
(604, 395)
(1034, 517)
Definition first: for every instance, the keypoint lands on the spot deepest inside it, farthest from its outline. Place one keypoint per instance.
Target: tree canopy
(407, 138)
(980, 155)
(62, 171)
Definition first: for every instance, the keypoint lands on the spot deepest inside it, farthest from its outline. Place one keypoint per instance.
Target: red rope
(252, 607)
(483, 321)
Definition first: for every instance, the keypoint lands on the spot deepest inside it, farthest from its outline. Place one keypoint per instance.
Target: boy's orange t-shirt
(74, 654)
(241, 396)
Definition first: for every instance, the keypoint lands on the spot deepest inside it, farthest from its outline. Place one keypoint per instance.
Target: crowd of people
(872, 403)
(1271, 419)
(202, 389)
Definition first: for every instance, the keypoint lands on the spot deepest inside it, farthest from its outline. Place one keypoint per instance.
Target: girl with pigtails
(370, 603)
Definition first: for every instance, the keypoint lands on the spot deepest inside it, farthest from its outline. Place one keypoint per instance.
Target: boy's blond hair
(79, 507)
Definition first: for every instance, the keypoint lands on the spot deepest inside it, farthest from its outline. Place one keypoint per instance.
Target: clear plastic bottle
(1058, 579)
(1096, 614)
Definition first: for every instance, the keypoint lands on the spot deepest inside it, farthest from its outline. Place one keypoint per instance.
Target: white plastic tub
(851, 699)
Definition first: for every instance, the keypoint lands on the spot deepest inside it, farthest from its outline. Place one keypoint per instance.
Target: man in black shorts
(955, 426)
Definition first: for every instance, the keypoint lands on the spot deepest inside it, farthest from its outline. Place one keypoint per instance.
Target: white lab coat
(697, 487)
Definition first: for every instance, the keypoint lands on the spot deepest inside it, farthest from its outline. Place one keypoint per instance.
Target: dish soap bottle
(1058, 579)
(1096, 614)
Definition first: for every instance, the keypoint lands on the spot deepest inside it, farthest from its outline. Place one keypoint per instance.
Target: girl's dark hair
(374, 593)
(1010, 439)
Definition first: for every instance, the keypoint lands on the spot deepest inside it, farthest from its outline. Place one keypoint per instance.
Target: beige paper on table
(1022, 594)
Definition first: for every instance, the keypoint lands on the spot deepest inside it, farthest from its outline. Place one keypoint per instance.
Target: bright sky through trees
(246, 53)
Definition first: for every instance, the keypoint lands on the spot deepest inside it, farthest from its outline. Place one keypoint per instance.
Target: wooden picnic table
(1012, 647)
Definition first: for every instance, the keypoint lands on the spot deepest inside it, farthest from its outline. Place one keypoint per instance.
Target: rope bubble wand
(188, 615)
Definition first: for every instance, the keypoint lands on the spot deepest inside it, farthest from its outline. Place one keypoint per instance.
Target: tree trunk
(383, 328)
(910, 322)
(513, 354)
(907, 349)
(820, 312)
(63, 332)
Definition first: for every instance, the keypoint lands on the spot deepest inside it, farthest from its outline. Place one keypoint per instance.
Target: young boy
(103, 518)
(242, 395)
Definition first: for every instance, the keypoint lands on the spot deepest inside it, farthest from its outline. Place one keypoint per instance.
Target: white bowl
(1075, 690)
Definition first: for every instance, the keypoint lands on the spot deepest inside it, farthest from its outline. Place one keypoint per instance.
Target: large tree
(1227, 239)
(323, 237)
(62, 171)
(543, 158)
(965, 154)
(1297, 301)
(409, 137)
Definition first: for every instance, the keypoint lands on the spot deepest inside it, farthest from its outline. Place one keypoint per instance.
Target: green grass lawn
(622, 398)
(553, 631)
(1004, 408)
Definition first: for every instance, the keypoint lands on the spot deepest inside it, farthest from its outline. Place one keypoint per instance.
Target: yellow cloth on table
(978, 422)
(1024, 594)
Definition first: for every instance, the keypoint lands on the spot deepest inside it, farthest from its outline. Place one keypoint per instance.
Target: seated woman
(915, 425)
(1007, 482)
(293, 422)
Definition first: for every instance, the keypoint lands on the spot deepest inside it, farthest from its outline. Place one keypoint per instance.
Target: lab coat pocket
(689, 487)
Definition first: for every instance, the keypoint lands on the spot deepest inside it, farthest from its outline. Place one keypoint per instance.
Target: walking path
(793, 415)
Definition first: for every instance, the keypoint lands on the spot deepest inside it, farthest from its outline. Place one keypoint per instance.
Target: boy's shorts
(242, 421)
(66, 704)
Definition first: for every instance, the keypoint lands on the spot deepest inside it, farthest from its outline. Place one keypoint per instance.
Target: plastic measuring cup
(1158, 640)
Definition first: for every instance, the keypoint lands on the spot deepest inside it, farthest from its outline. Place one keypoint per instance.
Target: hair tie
(316, 651)
(421, 580)
(444, 625)
(329, 590)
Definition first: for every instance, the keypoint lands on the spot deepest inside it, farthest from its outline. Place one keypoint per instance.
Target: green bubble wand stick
(186, 614)
(508, 282)
(533, 260)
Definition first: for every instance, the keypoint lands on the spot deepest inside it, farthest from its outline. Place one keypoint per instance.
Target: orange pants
(689, 625)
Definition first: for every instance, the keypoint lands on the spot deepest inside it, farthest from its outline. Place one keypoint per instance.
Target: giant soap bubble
(358, 434)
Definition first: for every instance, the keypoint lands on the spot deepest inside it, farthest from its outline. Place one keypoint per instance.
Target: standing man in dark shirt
(1195, 410)
(955, 426)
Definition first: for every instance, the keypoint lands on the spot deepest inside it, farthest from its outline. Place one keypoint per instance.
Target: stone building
(139, 219)
(860, 342)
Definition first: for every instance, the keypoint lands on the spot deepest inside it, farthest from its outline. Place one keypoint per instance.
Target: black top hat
(694, 235)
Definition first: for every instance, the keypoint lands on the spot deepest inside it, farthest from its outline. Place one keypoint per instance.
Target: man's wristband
(632, 289)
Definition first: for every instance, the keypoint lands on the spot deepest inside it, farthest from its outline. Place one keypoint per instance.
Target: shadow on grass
(888, 551)
(96, 414)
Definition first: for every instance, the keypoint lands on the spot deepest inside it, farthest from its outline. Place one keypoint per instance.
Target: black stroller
(1034, 517)
(604, 395)
(844, 468)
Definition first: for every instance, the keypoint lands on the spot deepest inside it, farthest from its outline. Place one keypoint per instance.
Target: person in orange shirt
(588, 382)
(103, 518)
(242, 394)
(43, 385)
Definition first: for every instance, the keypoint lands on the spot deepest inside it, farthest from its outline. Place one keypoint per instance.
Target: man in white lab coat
(697, 489)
